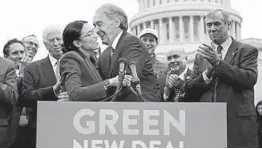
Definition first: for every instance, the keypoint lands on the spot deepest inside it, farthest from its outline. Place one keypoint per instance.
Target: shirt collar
(116, 40)
(225, 45)
(181, 76)
(52, 60)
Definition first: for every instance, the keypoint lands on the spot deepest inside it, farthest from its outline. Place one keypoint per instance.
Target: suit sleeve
(244, 76)
(196, 82)
(30, 91)
(133, 51)
(8, 89)
(76, 91)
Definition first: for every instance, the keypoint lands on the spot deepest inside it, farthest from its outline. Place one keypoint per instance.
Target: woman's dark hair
(72, 32)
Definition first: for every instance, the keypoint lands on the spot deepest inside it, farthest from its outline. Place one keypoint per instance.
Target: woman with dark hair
(259, 123)
(82, 80)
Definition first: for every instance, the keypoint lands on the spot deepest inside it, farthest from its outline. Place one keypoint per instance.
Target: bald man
(172, 85)
(41, 78)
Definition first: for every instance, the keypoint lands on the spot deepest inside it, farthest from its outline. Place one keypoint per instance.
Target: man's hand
(173, 81)
(209, 54)
(209, 70)
(24, 61)
(126, 81)
(57, 87)
(63, 97)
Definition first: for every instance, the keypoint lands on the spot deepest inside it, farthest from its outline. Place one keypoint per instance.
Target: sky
(24, 17)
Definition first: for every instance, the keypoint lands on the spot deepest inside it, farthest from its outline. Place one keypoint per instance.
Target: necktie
(111, 51)
(57, 74)
(219, 52)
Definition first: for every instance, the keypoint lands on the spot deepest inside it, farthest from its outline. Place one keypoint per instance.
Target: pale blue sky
(22, 17)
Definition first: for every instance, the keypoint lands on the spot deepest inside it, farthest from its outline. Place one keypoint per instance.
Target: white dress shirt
(116, 40)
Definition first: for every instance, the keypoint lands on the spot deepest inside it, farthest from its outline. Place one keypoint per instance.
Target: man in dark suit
(227, 72)
(172, 85)
(8, 98)
(14, 50)
(41, 78)
(111, 25)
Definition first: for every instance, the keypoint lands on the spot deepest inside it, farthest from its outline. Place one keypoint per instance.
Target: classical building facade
(181, 23)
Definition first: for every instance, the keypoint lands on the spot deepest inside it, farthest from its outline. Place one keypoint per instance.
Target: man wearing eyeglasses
(172, 85)
(31, 44)
(42, 80)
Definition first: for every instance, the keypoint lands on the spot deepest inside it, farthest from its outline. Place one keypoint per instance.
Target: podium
(131, 125)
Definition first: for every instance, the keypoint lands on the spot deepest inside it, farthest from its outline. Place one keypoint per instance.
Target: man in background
(42, 79)
(172, 85)
(8, 98)
(31, 45)
(14, 50)
(150, 39)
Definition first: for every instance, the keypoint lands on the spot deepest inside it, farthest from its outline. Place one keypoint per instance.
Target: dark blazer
(82, 80)
(237, 75)
(131, 48)
(185, 98)
(8, 99)
(38, 82)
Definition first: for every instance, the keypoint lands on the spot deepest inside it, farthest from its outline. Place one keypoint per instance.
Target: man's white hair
(51, 28)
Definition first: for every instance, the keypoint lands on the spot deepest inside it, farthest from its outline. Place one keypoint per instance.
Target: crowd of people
(126, 71)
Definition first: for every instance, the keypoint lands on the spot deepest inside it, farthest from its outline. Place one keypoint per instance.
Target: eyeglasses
(89, 33)
(32, 44)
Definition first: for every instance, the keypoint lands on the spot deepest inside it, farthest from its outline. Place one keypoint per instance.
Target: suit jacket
(237, 75)
(8, 98)
(38, 82)
(82, 80)
(131, 48)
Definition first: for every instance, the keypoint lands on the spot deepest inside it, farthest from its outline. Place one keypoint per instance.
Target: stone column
(144, 25)
(181, 29)
(201, 28)
(141, 5)
(233, 30)
(171, 30)
(161, 33)
(138, 29)
(152, 24)
(239, 31)
(146, 4)
(157, 2)
(191, 28)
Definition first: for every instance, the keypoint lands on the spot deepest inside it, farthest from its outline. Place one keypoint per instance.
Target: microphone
(121, 75)
(136, 80)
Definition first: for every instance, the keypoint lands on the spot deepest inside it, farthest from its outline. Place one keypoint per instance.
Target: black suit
(131, 48)
(8, 99)
(237, 75)
(38, 82)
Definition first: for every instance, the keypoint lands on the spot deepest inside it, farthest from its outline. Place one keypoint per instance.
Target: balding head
(178, 52)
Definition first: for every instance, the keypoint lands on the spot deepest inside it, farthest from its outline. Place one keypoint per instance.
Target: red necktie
(219, 52)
